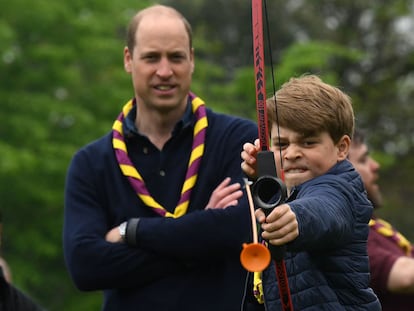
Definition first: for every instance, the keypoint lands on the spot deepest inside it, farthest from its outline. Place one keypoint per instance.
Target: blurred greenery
(63, 83)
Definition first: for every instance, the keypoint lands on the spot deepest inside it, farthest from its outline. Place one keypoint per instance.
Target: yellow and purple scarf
(134, 176)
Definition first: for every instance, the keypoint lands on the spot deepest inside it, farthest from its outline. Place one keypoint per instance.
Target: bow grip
(269, 191)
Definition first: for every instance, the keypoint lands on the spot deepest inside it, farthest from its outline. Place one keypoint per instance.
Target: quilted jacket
(327, 264)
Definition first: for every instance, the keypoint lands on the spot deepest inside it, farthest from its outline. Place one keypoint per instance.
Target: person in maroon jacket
(391, 254)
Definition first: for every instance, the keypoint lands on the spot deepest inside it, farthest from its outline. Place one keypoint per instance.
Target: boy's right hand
(249, 157)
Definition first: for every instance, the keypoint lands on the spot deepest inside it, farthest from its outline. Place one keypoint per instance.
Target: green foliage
(316, 57)
(62, 84)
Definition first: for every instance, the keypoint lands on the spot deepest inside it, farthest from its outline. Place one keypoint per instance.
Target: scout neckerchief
(136, 179)
(384, 228)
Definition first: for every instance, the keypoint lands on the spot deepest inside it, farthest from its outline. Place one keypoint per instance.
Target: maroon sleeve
(383, 252)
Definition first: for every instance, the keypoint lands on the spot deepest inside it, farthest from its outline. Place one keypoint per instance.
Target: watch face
(122, 229)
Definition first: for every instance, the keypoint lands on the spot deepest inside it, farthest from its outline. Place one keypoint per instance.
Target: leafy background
(62, 84)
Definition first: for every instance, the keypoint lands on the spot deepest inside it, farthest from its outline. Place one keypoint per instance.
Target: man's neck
(157, 126)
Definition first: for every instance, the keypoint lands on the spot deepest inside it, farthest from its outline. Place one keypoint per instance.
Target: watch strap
(131, 231)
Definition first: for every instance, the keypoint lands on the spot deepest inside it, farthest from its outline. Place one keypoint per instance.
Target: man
(147, 218)
(12, 298)
(391, 255)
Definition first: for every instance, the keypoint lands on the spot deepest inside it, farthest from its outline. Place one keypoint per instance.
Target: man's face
(161, 64)
(368, 168)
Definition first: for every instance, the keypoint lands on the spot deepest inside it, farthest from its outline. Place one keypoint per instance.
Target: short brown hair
(154, 9)
(309, 106)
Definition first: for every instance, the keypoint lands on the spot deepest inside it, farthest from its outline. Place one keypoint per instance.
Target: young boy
(324, 222)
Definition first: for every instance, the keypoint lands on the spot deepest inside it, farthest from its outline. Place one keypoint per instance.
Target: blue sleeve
(325, 215)
(214, 233)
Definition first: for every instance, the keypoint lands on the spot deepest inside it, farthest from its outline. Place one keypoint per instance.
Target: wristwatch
(122, 230)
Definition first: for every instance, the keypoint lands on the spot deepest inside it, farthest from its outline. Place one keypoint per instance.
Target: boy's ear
(343, 147)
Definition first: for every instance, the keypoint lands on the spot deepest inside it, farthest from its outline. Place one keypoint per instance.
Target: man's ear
(343, 147)
(192, 60)
(127, 60)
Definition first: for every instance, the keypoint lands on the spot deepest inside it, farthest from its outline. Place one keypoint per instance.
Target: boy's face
(304, 158)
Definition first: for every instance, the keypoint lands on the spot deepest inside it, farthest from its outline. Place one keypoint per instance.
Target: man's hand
(225, 195)
(114, 236)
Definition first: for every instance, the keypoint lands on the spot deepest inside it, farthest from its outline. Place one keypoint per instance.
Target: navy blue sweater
(188, 263)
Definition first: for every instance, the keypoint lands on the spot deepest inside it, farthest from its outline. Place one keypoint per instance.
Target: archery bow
(268, 190)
